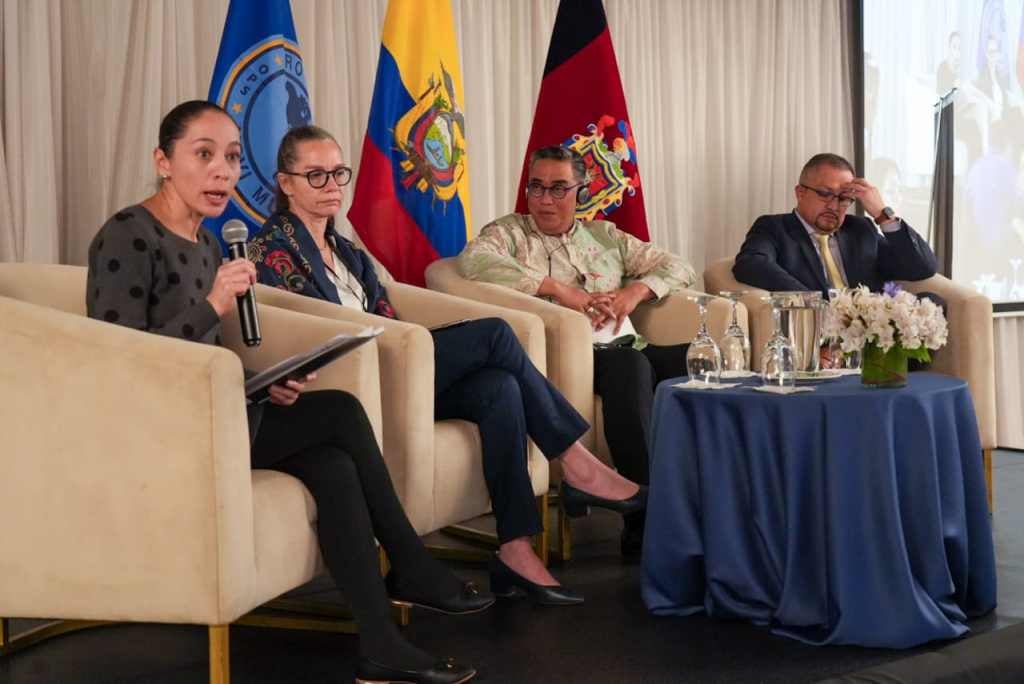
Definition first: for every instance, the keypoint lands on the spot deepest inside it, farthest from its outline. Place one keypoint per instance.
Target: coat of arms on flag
(607, 147)
(432, 137)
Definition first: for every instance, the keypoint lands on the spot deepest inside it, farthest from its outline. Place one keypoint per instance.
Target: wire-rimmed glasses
(828, 197)
(703, 358)
(734, 345)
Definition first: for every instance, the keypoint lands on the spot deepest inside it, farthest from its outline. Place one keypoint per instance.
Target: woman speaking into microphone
(154, 267)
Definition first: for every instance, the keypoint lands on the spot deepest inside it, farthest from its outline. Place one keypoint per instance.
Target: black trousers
(482, 374)
(326, 441)
(625, 379)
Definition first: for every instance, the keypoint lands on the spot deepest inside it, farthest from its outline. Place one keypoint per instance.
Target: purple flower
(891, 289)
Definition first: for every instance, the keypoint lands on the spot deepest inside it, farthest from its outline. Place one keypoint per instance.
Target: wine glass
(703, 358)
(778, 360)
(734, 344)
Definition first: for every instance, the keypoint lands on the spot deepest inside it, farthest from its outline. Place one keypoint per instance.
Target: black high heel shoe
(507, 583)
(469, 598)
(445, 672)
(577, 503)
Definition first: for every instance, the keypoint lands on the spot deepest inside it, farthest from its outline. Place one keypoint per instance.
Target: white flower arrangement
(894, 317)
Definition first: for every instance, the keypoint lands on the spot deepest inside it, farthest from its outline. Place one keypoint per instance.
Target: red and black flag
(581, 105)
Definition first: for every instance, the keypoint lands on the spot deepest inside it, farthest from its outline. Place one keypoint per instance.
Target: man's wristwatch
(887, 215)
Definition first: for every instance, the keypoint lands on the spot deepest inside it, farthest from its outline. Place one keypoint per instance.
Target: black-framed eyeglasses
(317, 178)
(827, 197)
(557, 191)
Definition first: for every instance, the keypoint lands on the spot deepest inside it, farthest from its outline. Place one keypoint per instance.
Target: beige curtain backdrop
(1008, 340)
(727, 99)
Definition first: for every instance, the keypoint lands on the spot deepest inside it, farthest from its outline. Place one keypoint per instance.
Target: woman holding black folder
(481, 373)
(154, 267)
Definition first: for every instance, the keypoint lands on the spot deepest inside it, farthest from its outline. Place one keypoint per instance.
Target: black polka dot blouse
(143, 276)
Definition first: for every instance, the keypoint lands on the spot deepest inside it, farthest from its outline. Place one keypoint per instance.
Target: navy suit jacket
(779, 255)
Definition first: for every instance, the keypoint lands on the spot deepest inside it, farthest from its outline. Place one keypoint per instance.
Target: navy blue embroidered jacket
(286, 257)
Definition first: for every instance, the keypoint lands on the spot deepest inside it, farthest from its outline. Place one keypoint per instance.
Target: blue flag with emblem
(258, 79)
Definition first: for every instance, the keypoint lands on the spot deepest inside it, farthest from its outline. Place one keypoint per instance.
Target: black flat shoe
(445, 672)
(469, 599)
(507, 583)
(577, 503)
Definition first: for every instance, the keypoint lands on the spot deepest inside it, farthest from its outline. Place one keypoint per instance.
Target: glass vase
(883, 369)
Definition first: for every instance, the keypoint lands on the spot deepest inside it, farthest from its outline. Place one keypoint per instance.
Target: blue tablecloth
(846, 515)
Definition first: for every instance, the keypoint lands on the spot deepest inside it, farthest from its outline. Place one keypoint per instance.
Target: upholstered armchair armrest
(406, 369)
(430, 308)
(567, 333)
(968, 353)
(286, 333)
(126, 488)
(675, 318)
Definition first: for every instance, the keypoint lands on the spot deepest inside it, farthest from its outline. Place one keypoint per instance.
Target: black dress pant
(326, 441)
(625, 379)
(482, 374)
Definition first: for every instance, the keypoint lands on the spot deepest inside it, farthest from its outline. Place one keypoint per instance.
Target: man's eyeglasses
(317, 178)
(827, 197)
(557, 191)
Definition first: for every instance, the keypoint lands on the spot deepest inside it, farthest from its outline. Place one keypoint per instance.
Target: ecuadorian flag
(411, 202)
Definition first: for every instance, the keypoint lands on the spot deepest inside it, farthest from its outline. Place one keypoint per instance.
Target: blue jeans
(482, 374)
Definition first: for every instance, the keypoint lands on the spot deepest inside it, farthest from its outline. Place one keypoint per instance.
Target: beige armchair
(570, 364)
(968, 354)
(436, 465)
(127, 490)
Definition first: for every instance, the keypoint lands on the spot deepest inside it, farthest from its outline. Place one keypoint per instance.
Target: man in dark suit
(817, 246)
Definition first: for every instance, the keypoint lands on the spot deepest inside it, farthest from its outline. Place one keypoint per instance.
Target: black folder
(257, 388)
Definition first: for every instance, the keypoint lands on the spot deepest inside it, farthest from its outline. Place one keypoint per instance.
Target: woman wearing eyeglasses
(481, 373)
(154, 267)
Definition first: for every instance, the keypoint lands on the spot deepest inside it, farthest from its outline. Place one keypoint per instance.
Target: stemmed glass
(734, 343)
(836, 358)
(703, 358)
(778, 360)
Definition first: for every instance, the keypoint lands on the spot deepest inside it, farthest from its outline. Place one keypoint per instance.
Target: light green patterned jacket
(594, 255)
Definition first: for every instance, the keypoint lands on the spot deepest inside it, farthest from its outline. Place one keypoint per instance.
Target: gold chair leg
(564, 536)
(462, 555)
(986, 459)
(220, 655)
(540, 542)
(11, 643)
(401, 610)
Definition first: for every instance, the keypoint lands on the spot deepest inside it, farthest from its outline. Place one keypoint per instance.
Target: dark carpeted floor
(610, 638)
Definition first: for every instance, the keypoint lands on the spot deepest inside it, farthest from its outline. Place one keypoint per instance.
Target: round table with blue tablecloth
(846, 515)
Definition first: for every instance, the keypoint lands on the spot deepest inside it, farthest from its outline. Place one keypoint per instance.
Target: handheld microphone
(234, 233)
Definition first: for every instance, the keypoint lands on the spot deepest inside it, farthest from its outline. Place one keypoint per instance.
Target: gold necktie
(834, 276)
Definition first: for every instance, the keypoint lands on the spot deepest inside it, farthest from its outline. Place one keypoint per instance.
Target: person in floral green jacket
(602, 272)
